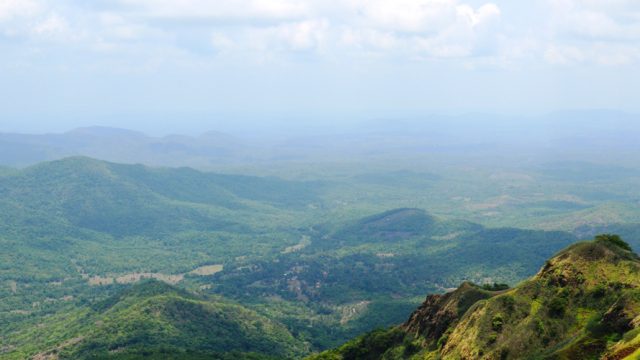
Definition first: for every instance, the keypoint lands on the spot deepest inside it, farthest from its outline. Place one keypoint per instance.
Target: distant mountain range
(121, 146)
(571, 135)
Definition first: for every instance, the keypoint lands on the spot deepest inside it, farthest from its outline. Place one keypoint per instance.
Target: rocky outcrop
(439, 312)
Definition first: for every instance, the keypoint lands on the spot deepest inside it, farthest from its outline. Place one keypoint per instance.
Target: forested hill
(153, 320)
(134, 199)
(81, 174)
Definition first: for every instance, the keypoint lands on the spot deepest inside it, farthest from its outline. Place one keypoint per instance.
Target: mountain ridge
(584, 303)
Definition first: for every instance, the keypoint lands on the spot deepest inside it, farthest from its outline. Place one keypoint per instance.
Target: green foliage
(442, 341)
(614, 240)
(539, 328)
(508, 302)
(557, 307)
(153, 319)
(497, 322)
(495, 287)
(410, 347)
(596, 327)
(599, 291)
(372, 345)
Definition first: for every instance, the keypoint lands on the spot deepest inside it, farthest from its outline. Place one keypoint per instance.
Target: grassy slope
(584, 303)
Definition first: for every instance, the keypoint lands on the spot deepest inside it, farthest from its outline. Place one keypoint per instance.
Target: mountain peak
(591, 263)
(403, 219)
(605, 247)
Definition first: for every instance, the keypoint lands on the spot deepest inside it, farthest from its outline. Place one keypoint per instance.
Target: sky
(194, 65)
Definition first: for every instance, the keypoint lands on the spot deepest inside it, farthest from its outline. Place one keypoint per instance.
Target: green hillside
(583, 304)
(133, 199)
(77, 231)
(81, 216)
(153, 320)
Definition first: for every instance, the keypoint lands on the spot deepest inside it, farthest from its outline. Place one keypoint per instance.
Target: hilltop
(583, 304)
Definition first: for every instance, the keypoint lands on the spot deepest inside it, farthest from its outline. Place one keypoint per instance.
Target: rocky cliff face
(439, 312)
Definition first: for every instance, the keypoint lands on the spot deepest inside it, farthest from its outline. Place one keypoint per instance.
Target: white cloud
(221, 41)
(306, 35)
(10, 9)
(368, 38)
(561, 32)
(562, 55)
(420, 28)
(219, 9)
(593, 31)
(405, 15)
(484, 14)
(595, 20)
(54, 25)
(303, 35)
(409, 28)
(599, 54)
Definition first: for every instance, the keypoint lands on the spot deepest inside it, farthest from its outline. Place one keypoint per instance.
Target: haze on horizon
(191, 66)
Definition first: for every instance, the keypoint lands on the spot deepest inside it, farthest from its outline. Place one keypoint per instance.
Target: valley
(327, 258)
